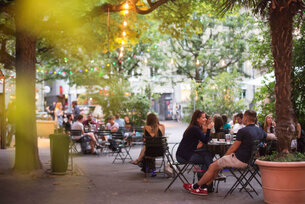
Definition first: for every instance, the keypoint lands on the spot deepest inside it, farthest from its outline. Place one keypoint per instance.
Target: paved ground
(97, 180)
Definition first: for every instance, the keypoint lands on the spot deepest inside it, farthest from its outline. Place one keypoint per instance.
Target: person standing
(75, 110)
(50, 109)
(59, 115)
(11, 120)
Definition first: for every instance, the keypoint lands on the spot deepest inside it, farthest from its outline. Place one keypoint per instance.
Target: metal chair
(242, 178)
(121, 151)
(155, 148)
(178, 168)
(75, 138)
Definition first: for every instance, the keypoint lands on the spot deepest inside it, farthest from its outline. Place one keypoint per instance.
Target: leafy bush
(137, 107)
(291, 157)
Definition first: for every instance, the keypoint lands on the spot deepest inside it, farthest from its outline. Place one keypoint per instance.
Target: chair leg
(179, 174)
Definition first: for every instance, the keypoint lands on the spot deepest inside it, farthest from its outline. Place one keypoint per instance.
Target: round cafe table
(218, 148)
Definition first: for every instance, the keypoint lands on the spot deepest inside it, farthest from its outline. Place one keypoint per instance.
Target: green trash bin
(59, 147)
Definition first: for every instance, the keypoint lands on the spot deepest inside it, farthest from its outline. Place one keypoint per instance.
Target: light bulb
(126, 6)
(124, 33)
(125, 23)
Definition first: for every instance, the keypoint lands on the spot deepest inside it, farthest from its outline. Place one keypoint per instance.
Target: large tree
(31, 18)
(281, 14)
(215, 46)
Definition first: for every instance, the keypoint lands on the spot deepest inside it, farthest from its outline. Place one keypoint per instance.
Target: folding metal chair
(155, 148)
(122, 151)
(243, 173)
(73, 135)
(178, 168)
(137, 139)
(101, 140)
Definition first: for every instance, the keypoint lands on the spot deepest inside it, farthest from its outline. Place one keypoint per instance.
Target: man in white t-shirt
(239, 123)
(78, 125)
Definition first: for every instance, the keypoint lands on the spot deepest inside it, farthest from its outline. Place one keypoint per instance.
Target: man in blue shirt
(237, 156)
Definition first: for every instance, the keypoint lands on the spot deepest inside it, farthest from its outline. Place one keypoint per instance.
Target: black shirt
(129, 126)
(247, 136)
(190, 140)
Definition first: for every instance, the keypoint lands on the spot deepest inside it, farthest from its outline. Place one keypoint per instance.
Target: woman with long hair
(269, 124)
(152, 129)
(194, 138)
(218, 127)
(59, 114)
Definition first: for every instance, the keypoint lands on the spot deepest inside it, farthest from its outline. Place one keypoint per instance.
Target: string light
(125, 23)
(126, 6)
(197, 62)
(124, 33)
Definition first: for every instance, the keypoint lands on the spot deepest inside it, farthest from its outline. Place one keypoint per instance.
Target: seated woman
(129, 130)
(193, 139)
(226, 126)
(269, 127)
(152, 129)
(218, 126)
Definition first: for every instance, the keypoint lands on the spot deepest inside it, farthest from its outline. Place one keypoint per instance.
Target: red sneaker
(199, 191)
(187, 186)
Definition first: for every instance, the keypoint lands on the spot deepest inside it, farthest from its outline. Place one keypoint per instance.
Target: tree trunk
(281, 21)
(26, 158)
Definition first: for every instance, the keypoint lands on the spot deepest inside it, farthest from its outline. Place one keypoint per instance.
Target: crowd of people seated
(202, 128)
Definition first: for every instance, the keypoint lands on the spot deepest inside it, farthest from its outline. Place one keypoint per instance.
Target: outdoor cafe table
(218, 148)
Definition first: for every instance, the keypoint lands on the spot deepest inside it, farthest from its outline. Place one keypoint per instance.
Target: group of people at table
(89, 128)
(192, 148)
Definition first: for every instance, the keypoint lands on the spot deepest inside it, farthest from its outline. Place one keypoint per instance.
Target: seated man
(237, 156)
(78, 125)
(239, 123)
(90, 122)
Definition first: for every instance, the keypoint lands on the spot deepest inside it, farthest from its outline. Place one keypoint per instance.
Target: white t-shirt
(111, 127)
(77, 126)
(237, 127)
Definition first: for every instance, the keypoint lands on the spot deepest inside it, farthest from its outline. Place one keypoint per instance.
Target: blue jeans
(201, 157)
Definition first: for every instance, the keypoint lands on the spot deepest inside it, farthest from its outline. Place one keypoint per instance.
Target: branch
(153, 6)
(96, 11)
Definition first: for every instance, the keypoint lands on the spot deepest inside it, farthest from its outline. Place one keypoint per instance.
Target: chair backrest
(122, 130)
(155, 146)
(254, 151)
(74, 133)
(139, 131)
(117, 135)
(103, 132)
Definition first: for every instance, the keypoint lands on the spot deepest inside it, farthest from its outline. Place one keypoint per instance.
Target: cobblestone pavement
(97, 180)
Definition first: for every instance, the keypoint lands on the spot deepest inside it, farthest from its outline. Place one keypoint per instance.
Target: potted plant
(285, 174)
